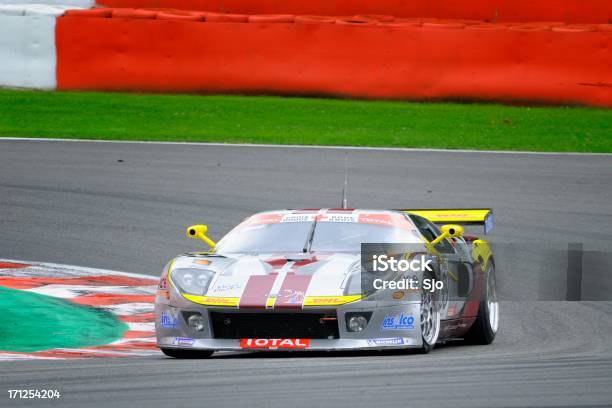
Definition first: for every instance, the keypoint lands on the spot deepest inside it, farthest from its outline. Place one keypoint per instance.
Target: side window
(430, 232)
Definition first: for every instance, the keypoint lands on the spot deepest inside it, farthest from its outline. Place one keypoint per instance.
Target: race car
(302, 280)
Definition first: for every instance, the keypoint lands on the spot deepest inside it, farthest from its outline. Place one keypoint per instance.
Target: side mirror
(453, 231)
(199, 232)
(448, 231)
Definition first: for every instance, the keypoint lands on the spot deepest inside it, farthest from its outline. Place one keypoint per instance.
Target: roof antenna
(345, 189)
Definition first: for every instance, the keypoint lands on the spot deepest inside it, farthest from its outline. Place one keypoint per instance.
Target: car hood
(277, 280)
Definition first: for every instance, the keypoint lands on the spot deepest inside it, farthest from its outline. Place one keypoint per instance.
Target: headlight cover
(192, 281)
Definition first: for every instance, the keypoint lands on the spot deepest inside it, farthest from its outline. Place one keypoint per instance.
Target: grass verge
(308, 121)
(34, 322)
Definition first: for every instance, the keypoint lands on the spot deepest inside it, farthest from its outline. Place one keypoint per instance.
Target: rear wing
(461, 216)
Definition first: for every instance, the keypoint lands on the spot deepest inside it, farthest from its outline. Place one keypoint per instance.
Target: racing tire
(485, 327)
(430, 319)
(180, 353)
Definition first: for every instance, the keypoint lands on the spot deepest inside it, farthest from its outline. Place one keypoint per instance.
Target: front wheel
(180, 353)
(430, 320)
(485, 327)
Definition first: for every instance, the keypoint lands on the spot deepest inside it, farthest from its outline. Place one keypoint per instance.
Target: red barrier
(569, 11)
(435, 62)
(134, 13)
(315, 20)
(272, 18)
(225, 18)
(175, 16)
(101, 12)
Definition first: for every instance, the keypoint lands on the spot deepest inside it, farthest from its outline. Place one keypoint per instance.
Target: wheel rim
(430, 321)
(492, 302)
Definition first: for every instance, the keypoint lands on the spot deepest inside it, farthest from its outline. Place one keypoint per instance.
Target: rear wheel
(430, 320)
(180, 353)
(485, 327)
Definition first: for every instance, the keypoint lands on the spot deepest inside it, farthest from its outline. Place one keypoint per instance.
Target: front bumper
(314, 344)
(386, 328)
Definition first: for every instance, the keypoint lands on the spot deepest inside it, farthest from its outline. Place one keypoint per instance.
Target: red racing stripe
(256, 291)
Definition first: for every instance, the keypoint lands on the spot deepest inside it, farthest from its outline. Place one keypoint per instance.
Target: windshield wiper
(308, 243)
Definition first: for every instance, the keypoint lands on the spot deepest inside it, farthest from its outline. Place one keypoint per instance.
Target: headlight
(192, 281)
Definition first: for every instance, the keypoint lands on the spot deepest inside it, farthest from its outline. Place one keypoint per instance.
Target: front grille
(274, 325)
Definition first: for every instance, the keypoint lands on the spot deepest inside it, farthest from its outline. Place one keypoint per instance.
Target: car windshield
(348, 236)
(327, 236)
(264, 238)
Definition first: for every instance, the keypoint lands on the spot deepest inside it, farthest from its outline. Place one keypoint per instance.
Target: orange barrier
(134, 13)
(175, 16)
(225, 18)
(272, 18)
(436, 61)
(315, 20)
(569, 11)
(100, 12)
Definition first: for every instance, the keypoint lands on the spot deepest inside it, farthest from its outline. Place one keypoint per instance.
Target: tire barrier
(569, 11)
(426, 59)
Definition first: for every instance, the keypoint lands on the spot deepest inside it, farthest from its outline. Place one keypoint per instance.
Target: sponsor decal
(378, 219)
(298, 218)
(183, 341)
(336, 218)
(167, 321)
(291, 296)
(224, 288)
(387, 220)
(394, 341)
(292, 291)
(264, 219)
(212, 300)
(397, 322)
(272, 344)
(330, 300)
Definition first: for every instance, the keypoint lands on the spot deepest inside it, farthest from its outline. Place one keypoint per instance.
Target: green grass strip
(34, 322)
(308, 121)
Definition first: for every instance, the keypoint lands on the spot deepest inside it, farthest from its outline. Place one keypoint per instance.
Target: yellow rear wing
(461, 216)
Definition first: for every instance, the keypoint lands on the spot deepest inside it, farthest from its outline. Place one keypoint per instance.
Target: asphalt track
(125, 206)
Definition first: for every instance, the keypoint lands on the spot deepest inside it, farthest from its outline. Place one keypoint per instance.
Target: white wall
(27, 50)
(71, 3)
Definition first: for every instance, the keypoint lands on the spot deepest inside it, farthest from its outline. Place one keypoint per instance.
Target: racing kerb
(129, 297)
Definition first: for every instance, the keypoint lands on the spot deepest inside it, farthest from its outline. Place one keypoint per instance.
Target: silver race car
(331, 279)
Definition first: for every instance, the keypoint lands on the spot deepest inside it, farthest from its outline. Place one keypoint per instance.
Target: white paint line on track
(80, 269)
(280, 146)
